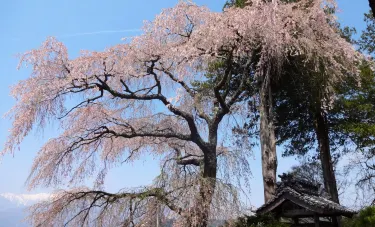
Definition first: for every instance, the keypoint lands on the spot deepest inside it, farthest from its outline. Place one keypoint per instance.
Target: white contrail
(99, 32)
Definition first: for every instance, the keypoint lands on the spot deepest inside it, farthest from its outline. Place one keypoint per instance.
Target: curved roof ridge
(315, 203)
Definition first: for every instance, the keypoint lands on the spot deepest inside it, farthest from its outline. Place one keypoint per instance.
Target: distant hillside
(12, 213)
(13, 217)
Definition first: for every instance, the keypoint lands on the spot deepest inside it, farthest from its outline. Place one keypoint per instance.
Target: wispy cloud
(99, 32)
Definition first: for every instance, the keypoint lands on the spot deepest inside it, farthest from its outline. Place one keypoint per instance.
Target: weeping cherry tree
(138, 98)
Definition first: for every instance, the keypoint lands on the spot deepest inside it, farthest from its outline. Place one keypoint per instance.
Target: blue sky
(94, 25)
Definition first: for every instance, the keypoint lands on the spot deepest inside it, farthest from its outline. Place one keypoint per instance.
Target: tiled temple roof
(306, 195)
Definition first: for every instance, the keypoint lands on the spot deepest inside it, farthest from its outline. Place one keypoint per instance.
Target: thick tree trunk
(321, 128)
(267, 141)
(207, 189)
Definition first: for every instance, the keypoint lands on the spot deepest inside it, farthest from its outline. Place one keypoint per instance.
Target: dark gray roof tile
(309, 201)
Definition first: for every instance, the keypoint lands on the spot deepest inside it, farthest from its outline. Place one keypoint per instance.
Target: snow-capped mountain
(13, 208)
(25, 199)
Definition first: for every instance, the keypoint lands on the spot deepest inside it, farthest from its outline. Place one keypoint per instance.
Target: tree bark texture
(330, 185)
(267, 140)
(207, 188)
(325, 156)
(201, 213)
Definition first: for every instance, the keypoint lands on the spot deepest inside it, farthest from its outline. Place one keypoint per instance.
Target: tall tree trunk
(321, 128)
(372, 6)
(201, 213)
(267, 140)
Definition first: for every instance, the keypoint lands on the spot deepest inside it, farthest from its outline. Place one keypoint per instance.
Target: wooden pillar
(336, 221)
(316, 220)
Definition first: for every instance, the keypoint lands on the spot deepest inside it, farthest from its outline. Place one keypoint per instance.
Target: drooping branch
(83, 103)
(82, 207)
